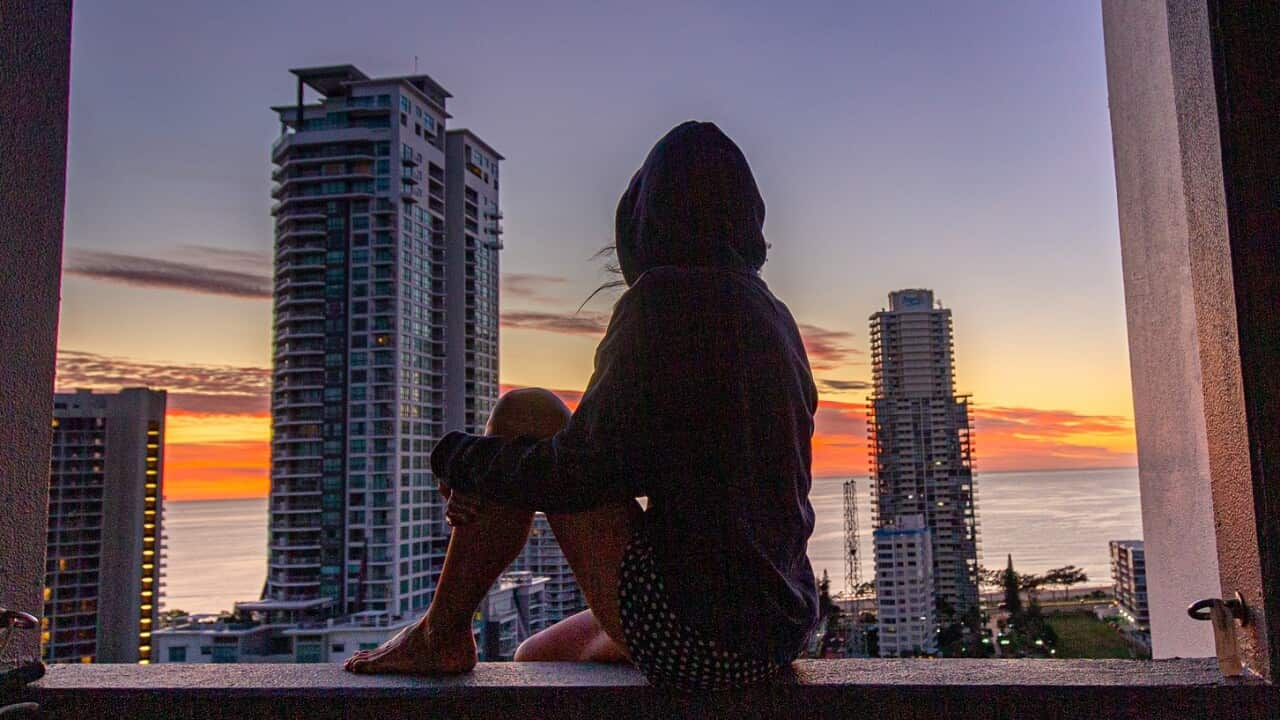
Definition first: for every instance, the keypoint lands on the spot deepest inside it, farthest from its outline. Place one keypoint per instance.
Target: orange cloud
(224, 389)
(570, 397)
(227, 455)
(1005, 439)
(210, 456)
(217, 470)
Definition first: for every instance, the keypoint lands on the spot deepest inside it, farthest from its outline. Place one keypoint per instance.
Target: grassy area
(1081, 635)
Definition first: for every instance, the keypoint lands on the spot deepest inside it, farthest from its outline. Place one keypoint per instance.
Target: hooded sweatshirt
(701, 400)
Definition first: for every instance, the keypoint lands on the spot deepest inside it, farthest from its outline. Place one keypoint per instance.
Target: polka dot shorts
(667, 651)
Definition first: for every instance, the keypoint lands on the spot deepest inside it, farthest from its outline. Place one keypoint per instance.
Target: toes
(357, 662)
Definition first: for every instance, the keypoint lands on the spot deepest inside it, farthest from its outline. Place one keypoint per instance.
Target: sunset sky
(963, 149)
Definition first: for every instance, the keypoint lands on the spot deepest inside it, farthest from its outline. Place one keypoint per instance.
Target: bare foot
(415, 650)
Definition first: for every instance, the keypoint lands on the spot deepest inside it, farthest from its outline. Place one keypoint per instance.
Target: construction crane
(852, 563)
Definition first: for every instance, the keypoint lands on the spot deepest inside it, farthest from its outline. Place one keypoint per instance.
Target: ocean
(217, 548)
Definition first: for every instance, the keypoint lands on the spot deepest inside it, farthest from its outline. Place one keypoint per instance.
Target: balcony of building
(852, 688)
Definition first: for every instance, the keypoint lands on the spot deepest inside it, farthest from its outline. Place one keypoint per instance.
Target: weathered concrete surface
(35, 54)
(1237, 280)
(816, 688)
(1169, 190)
(1195, 102)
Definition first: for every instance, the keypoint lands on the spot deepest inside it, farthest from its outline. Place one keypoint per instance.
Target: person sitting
(701, 401)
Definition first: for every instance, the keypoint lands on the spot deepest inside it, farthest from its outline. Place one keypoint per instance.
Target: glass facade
(361, 348)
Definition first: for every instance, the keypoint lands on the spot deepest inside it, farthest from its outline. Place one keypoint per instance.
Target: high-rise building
(919, 432)
(543, 556)
(105, 554)
(905, 606)
(1129, 575)
(385, 336)
(473, 234)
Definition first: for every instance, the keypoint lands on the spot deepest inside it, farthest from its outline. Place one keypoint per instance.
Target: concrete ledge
(814, 688)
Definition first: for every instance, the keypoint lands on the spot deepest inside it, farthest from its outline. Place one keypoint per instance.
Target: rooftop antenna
(415, 64)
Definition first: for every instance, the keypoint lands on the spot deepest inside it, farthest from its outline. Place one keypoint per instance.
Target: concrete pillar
(1164, 127)
(35, 53)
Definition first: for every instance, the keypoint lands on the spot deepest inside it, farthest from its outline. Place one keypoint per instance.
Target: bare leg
(441, 642)
(577, 638)
(593, 542)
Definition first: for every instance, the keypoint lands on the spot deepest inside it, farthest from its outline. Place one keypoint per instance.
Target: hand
(463, 509)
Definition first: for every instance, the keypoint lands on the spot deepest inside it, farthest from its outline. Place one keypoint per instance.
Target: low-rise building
(264, 632)
(514, 610)
(1129, 573)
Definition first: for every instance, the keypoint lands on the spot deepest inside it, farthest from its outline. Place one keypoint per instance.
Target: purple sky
(959, 146)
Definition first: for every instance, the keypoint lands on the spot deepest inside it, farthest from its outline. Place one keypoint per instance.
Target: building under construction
(920, 442)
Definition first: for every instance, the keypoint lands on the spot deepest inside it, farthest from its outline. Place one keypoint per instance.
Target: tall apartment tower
(905, 608)
(385, 336)
(473, 235)
(105, 554)
(919, 432)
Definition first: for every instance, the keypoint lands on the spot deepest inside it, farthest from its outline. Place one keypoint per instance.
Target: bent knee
(528, 411)
(525, 653)
(537, 649)
(596, 647)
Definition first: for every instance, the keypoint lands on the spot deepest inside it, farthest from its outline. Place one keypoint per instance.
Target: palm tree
(1065, 577)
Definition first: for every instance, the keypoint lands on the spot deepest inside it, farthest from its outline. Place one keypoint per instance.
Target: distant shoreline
(980, 473)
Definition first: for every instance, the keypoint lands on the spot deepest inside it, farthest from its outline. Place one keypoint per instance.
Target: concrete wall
(35, 53)
(120, 575)
(1169, 186)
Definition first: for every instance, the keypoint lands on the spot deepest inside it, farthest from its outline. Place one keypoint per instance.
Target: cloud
(584, 324)
(827, 348)
(206, 274)
(251, 261)
(570, 397)
(219, 389)
(833, 385)
(219, 404)
(532, 287)
(1006, 439)
(1046, 424)
(216, 470)
(841, 418)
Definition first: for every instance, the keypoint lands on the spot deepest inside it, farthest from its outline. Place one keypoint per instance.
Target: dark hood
(694, 202)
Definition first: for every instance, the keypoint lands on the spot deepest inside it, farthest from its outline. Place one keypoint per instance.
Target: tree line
(1064, 577)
